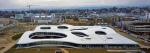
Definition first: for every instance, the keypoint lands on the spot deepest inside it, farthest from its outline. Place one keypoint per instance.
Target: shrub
(17, 36)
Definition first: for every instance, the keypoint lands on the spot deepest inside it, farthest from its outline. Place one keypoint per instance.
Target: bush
(17, 36)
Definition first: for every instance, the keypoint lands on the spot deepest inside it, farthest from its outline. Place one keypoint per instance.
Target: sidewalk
(65, 51)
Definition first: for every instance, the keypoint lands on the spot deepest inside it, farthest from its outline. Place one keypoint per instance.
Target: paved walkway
(143, 46)
(8, 46)
(123, 51)
(134, 37)
(64, 50)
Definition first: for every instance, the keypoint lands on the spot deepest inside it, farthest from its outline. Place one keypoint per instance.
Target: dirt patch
(2, 48)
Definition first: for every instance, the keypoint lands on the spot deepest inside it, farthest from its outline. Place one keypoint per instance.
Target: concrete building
(147, 17)
(19, 16)
(134, 25)
(60, 17)
(43, 19)
(28, 17)
(123, 22)
(1, 25)
(142, 29)
(75, 37)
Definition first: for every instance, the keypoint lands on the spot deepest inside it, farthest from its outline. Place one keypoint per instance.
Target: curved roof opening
(45, 27)
(62, 27)
(47, 35)
(109, 38)
(103, 28)
(80, 29)
(100, 33)
(79, 34)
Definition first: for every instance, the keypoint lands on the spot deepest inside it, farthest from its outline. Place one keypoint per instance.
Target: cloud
(71, 3)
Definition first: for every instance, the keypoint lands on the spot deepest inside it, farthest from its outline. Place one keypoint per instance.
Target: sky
(8, 4)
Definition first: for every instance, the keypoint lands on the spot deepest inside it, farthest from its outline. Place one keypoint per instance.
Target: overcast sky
(70, 3)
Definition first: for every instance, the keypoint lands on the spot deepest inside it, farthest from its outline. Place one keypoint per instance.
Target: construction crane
(29, 5)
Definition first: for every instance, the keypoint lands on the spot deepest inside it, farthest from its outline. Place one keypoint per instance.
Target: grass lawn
(17, 36)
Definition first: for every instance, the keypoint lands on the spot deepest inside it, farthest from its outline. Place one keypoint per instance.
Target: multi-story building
(60, 17)
(135, 25)
(142, 29)
(123, 22)
(147, 17)
(43, 19)
(19, 16)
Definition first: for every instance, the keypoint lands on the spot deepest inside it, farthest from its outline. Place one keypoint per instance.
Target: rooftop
(75, 34)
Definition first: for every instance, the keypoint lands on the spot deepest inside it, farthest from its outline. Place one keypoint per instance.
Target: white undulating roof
(95, 39)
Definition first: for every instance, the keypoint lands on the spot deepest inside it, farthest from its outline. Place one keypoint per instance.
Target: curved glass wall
(80, 34)
(47, 35)
(79, 45)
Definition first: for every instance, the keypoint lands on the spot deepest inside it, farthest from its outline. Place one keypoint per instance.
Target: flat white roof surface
(95, 38)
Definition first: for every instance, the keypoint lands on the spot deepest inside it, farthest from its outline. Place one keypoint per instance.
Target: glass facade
(79, 45)
(47, 35)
